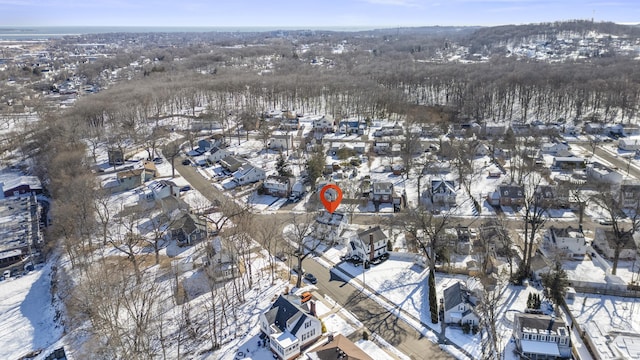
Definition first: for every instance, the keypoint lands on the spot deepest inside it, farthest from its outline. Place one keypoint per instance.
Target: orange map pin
(332, 202)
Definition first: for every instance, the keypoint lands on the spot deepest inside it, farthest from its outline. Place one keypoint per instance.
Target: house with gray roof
(541, 336)
(369, 244)
(290, 326)
(443, 192)
(460, 305)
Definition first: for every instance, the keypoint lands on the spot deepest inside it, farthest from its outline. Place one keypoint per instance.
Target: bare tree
(622, 234)
(299, 233)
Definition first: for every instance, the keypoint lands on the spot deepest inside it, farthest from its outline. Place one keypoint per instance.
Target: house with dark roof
(605, 243)
(290, 326)
(443, 192)
(329, 226)
(369, 244)
(459, 305)
(338, 347)
(187, 229)
(128, 180)
(629, 194)
(541, 337)
(216, 154)
(511, 195)
(382, 192)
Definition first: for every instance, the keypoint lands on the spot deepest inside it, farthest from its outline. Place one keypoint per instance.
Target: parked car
(310, 278)
(186, 162)
(7, 274)
(281, 256)
(185, 188)
(157, 160)
(306, 296)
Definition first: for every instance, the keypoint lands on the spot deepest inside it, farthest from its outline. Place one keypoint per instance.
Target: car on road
(185, 188)
(605, 222)
(186, 162)
(310, 278)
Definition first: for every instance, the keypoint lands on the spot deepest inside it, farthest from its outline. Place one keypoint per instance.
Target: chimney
(312, 307)
(372, 248)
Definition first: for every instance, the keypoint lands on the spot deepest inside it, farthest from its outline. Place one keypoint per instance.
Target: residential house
(539, 265)
(593, 128)
(248, 174)
(360, 147)
(568, 163)
(324, 124)
(128, 180)
(630, 143)
(369, 244)
(382, 192)
(352, 126)
(605, 243)
(230, 163)
(19, 185)
(338, 347)
(221, 261)
(443, 193)
(463, 244)
(329, 227)
(279, 186)
(188, 229)
(555, 148)
(481, 149)
(217, 154)
(290, 326)
(494, 129)
(604, 174)
(163, 188)
(460, 305)
(394, 130)
(630, 195)
(281, 142)
(381, 147)
(566, 240)
(205, 145)
(541, 337)
(547, 197)
(511, 195)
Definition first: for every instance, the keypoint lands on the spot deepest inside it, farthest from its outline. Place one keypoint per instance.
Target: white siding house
(630, 143)
(248, 174)
(460, 305)
(290, 326)
(601, 173)
(567, 240)
(369, 244)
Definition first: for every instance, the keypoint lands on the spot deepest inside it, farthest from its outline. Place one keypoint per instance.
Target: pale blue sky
(309, 14)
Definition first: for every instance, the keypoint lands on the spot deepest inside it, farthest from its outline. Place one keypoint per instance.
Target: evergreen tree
(556, 282)
(282, 167)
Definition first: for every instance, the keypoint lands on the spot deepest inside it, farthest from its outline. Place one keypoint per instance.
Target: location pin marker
(332, 200)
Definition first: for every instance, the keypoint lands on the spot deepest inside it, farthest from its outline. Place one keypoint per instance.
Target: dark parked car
(186, 162)
(185, 188)
(310, 278)
(157, 160)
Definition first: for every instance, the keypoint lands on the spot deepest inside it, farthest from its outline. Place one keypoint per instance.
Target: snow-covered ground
(27, 314)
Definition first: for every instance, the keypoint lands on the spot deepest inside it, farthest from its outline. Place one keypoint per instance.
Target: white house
(281, 141)
(383, 192)
(163, 188)
(541, 336)
(599, 172)
(567, 240)
(460, 305)
(248, 174)
(323, 124)
(443, 192)
(216, 154)
(555, 148)
(368, 245)
(629, 143)
(279, 186)
(605, 242)
(290, 326)
(329, 226)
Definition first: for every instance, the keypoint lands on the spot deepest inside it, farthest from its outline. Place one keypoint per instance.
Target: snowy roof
(540, 347)
(14, 182)
(286, 339)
